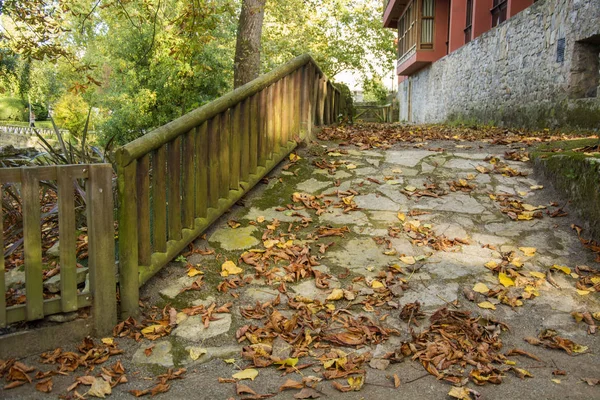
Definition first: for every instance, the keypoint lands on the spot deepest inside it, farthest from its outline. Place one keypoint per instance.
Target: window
(499, 12)
(427, 24)
(407, 32)
(469, 23)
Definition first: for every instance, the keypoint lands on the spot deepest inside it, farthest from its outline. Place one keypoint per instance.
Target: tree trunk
(247, 50)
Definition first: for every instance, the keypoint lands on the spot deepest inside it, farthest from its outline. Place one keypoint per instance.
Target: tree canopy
(141, 63)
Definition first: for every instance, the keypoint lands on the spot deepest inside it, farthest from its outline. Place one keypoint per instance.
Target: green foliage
(13, 109)
(142, 63)
(340, 34)
(374, 90)
(70, 112)
(349, 110)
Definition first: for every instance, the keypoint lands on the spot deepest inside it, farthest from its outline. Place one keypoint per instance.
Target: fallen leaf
(249, 373)
(505, 280)
(562, 268)
(291, 384)
(410, 188)
(528, 251)
(44, 385)
(536, 274)
(288, 362)
(260, 219)
(100, 388)
(396, 381)
(487, 305)
(307, 393)
(193, 272)
(401, 216)
(410, 260)
(377, 284)
(108, 341)
(229, 268)
(197, 352)
(481, 288)
(336, 294)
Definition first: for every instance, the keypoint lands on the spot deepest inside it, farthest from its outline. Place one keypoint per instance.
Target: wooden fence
(374, 113)
(101, 254)
(178, 179)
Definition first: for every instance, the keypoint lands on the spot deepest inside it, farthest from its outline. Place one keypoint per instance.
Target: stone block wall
(513, 75)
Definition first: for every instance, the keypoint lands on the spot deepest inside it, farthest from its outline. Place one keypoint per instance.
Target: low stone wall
(514, 74)
(577, 176)
(18, 140)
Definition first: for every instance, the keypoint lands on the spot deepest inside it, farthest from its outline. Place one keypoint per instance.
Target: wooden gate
(101, 254)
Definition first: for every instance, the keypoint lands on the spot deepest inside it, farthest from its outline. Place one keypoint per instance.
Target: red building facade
(430, 29)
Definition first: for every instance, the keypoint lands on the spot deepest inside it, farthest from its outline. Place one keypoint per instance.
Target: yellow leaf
(487, 305)
(336, 294)
(151, 329)
(348, 200)
(517, 262)
(536, 274)
(462, 182)
(579, 348)
(285, 245)
(270, 243)
(401, 216)
(356, 383)
(249, 373)
(229, 360)
(295, 157)
(260, 219)
(525, 216)
(470, 177)
(491, 264)
(410, 260)
(108, 341)
(529, 207)
(390, 253)
(523, 194)
(509, 362)
(229, 268)
(330, 307)
(377, 284)
(481, 169)
(536, 187)
(583, 292)
(290, 362)
(350, 166)
(596, 316)
(532, 290)
(492, 197)
(193, 272)
(505, 280)
(562, 268)
(557, 381)
(481, 288)
(397, 171)
(460, 393)
(197, 352)
(410, 188)
(528, 251)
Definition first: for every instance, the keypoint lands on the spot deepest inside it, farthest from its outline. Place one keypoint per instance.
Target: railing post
(68, 238)
(2, 276)
(202, 199)
(128, 239)
(101, 242)
(32, 243)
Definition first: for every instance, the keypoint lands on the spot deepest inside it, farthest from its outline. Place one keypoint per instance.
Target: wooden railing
(101, 254)
(178, 179)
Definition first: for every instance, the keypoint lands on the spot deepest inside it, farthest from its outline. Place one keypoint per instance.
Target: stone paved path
(385, 183)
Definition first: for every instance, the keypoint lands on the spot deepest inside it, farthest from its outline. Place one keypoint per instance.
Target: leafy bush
(13, 109)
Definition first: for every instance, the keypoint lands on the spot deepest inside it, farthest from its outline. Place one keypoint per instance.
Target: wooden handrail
(164, 134)
(187, 173)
